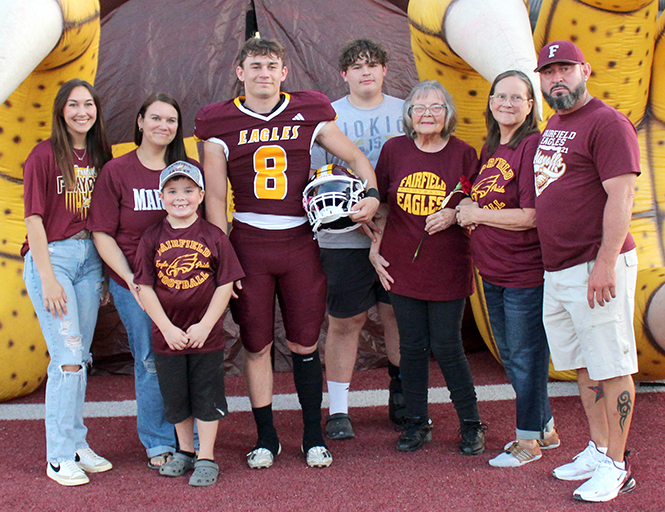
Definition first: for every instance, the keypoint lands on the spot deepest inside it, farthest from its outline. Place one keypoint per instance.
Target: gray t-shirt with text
(369, 130)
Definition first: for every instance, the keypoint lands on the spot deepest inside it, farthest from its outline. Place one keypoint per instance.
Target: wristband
(372, 192)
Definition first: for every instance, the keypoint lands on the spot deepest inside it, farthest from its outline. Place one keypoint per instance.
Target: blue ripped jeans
(156, 434)
(78, 269)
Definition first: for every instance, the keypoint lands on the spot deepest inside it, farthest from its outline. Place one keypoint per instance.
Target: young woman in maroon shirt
(63, 272)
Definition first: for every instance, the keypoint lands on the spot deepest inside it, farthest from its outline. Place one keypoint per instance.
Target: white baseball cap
(181, 168)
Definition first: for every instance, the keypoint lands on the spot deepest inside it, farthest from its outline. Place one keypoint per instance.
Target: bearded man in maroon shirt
(585, 170)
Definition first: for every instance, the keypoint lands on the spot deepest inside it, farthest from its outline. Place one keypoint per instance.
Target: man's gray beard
(566, 101)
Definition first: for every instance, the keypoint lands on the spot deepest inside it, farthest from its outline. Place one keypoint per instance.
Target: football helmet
(329, 197)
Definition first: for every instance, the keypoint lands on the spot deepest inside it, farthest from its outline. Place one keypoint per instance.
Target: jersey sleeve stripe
(315, 134)
(215, 140)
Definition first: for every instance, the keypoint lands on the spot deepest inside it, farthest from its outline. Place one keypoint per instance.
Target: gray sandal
(205, 473)
(178, 465)
(162, 459)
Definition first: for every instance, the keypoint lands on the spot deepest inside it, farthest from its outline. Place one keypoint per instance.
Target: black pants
(436, 326)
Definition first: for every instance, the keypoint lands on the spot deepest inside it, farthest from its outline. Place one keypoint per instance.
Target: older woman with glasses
(506, 251)
(423, 259)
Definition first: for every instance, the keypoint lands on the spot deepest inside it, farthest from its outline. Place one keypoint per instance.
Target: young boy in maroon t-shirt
(185, 269)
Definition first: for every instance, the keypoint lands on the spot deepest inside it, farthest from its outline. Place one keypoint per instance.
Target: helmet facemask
(329, 198)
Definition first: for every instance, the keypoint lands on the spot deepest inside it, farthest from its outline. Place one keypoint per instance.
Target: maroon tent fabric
(314, 31)
(185, 48)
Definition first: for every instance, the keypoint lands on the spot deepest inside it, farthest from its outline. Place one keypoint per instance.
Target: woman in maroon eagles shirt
(506, 251)
(126, 202)
(425, 260)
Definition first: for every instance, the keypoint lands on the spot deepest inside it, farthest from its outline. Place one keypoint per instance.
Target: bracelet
(372, 192)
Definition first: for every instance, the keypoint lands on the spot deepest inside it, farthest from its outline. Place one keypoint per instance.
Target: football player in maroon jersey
(261, 141)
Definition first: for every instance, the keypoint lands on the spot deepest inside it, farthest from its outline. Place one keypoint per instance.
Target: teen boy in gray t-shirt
(369, 118)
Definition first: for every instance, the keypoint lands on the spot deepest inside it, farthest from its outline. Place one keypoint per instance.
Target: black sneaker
(473, 437)
(418, 431)
(396, 407)
(338, 427)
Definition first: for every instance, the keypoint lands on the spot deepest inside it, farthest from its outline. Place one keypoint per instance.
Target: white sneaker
(66, 473)
(583, 465)
(89, 461)
(607, 482)
(319, 457)
(514, 456)
(549, 443)
(261, 458)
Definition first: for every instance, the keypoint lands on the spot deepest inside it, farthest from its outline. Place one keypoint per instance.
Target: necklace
(82, 156)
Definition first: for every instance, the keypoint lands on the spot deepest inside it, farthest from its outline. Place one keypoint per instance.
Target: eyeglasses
(514, 100)
(435, 110)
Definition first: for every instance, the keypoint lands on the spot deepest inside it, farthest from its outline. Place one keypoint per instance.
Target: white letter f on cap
(553, 50)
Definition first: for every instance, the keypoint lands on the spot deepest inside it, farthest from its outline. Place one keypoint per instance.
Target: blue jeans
(156, 434)
(78, 269)
(516, 318)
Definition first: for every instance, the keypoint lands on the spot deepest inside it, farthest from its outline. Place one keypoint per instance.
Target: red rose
(466, 184)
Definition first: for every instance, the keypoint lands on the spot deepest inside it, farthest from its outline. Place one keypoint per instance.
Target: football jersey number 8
(270, 181)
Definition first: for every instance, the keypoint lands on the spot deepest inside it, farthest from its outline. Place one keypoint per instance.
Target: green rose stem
(458, 188)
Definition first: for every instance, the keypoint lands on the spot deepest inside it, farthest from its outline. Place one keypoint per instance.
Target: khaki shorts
(601, 339)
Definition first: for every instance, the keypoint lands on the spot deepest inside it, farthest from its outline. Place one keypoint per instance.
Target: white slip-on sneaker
(89, 461)
(583, 465)
(66, 473)
(549, 443)
(514, 456)
(607, 482)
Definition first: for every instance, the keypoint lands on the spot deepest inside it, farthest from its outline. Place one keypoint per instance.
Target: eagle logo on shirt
(182, 265)
(485, 186)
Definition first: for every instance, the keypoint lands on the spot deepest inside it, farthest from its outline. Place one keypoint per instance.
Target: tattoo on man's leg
(599, 390)
(624, 406)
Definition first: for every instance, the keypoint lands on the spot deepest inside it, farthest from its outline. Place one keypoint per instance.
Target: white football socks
(338, 393)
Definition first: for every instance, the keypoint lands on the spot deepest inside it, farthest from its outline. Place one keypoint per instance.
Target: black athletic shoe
(418, 431)
(473, 437)
(396, 407)
(338, 427)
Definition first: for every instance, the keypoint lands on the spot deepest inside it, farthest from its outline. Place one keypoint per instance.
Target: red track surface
(368, 474)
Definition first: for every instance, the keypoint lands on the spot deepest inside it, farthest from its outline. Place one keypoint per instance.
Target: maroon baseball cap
(559, 51)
